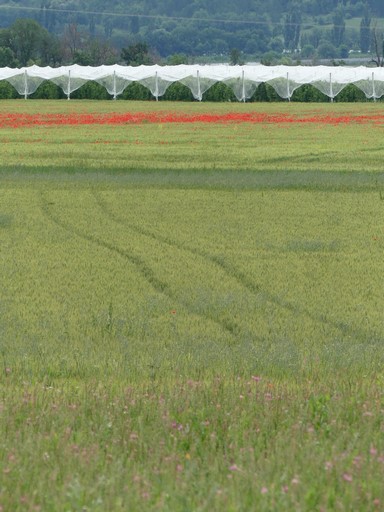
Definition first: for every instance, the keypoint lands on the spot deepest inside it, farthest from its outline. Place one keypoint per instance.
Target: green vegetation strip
(191, 335)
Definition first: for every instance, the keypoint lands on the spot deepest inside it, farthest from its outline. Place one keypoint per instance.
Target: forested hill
(274, 9)
(210, 29)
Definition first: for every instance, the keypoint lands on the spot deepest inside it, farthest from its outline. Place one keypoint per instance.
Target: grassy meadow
(191, 315)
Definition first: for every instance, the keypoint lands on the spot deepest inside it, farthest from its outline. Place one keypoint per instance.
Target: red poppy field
(18, 120)
(191, 307)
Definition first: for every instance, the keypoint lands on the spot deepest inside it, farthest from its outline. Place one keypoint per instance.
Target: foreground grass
(191, 325)
(222, 443)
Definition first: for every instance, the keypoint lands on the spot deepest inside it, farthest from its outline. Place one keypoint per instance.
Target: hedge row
(179, 92)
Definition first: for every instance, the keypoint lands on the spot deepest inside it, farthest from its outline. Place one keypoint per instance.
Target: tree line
(219, 92)
(93, 32)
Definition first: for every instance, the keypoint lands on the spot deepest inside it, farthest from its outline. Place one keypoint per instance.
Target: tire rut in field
(143, 269)
(231, 271)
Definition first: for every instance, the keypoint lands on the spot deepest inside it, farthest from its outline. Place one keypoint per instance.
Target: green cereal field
(191, 312)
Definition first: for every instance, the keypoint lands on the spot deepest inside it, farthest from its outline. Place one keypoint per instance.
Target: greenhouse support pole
(199, 96)
(288, 93)
(25, 84)
(114, 84)
(156, 87)
(330, 87)
(373, 87)
(69, 85)
(243, 91)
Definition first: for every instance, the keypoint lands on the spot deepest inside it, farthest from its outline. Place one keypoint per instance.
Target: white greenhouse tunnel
(242, 79)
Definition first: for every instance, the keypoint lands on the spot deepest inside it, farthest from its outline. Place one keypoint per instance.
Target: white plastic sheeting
(242, 79)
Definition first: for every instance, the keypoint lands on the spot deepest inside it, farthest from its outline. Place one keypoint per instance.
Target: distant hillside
(211, 29)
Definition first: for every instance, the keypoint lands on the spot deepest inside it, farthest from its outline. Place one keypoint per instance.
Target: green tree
(48, 15)
(72, 42)
(177, 59)
(95, 52)
(29, 41)
(292, 28)
(338, 29)
(378, 46)
(343, 51)
(327, 50)
(136, 54)
(235, 57)
(7, 57)
(307, 51)
(276, 45)
(7, 91)
(365, 32)
(82, 57)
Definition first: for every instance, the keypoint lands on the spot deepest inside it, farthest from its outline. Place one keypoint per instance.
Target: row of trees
(219, 92)
(27, 42)
(332, 41)
(94, 39)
